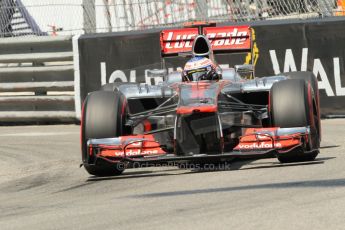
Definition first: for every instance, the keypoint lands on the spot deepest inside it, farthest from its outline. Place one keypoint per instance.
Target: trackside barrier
(36, 79)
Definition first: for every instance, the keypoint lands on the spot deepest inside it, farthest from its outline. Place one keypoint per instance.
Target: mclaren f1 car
(201, 120)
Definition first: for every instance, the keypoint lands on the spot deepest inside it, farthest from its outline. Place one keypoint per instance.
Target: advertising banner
(318, 47)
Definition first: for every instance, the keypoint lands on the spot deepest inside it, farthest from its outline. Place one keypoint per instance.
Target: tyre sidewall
(104, 114)
(298, 111)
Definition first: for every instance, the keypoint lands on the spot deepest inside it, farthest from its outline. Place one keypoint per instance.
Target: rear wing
(227, 39)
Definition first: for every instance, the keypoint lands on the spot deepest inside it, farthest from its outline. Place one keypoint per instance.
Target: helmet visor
(197, 74)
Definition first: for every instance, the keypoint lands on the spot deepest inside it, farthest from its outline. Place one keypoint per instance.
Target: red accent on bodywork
(147, 126)
(90, 151)
(199, 90)
(123, 109)
(310, 104)
(265, 138)
(197, 109)
(138, 148)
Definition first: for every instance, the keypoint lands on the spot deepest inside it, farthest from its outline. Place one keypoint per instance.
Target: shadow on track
(92, 180)
(297, 184)
(232, 166)
(136, 174)
(254, 165)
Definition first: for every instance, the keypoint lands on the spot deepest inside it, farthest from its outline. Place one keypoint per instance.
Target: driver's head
(198, 69)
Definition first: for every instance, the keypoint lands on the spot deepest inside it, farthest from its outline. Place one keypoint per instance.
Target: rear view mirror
(156, 73)
(245, 70)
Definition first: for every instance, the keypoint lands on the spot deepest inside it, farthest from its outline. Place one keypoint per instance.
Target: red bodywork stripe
(310, 104)
(124, 104)
(147, 126)
(253, 141)
(145, 148)
(197, 109)
(198, 90)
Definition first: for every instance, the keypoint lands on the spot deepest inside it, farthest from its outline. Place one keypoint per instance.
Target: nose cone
(202, 47)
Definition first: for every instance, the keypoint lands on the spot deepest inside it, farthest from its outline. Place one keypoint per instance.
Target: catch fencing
(70, 17)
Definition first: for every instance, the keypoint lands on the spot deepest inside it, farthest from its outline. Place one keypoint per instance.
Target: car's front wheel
(103, 116)
(292, 104)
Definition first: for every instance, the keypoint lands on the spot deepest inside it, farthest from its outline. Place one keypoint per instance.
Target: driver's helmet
(198, 69)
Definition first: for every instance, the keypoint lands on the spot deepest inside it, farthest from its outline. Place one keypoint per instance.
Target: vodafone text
(261, 145)
(136, 152)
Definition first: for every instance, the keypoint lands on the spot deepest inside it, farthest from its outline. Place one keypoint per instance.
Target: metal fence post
(201, 10)
(89, 16)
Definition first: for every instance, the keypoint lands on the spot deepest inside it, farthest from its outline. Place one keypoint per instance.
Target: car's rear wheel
(292, 104)
(103, 117)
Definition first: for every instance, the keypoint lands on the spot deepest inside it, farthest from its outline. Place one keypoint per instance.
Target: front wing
(144, 149)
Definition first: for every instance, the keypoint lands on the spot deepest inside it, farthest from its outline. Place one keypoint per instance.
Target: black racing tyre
(309, 77)
(291, 105)
(103, 116)
(111, 86)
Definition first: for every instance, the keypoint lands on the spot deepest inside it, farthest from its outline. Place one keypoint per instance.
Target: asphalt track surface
(42, 187)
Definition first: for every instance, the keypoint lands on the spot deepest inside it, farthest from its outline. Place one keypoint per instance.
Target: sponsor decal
(178, 41)
(135, 152)
(261, 145)
(221, 38)
(142, 145)
(317, 68)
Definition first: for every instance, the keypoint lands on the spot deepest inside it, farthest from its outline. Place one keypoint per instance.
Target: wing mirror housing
(245, 70)
(157, 73)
